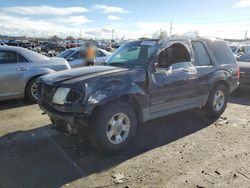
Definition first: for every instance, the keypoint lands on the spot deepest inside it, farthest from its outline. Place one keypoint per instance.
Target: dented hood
(79, 74)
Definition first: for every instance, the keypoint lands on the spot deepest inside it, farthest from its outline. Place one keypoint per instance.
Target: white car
(75, 59)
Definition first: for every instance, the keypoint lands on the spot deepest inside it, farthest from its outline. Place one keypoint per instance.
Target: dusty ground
(182, 150)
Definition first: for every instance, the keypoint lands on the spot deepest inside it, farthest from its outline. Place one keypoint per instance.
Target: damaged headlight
(60, 95)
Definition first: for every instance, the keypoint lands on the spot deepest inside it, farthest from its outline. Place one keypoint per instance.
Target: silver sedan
(20, 68)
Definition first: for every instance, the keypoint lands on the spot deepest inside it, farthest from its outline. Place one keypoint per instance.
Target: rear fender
(220, 76)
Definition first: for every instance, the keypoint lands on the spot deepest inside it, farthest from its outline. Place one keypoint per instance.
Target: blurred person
(90, 55)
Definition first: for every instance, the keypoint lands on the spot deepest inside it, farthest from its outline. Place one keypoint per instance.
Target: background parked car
(71, 45)
(53, 48)
(2, 43)
(20, 68)
(244, 63)
(241, 50)
(75, 59)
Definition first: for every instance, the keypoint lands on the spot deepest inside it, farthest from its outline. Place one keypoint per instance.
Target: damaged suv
(142, 80)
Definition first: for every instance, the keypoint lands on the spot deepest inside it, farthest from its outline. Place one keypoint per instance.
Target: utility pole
(171, 28)
(246, 32)
(80, 33)
(112, 34)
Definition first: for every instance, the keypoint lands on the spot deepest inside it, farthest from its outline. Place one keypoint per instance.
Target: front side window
(173, 55)
(7, 57)
(65, 54)
(133, 53)
(200, 54)
(76, 55)
(244, 49)
(245, 58)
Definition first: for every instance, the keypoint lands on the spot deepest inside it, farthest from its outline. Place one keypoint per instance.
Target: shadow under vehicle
(41, 157)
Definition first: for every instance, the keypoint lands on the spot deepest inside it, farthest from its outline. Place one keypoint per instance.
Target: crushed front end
(63, 105)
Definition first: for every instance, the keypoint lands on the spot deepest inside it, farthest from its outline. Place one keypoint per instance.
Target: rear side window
(7, 57)
(200, 54)
(22, 59)
(222, 53)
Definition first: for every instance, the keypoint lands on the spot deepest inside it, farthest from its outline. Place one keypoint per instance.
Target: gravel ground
(181, 150)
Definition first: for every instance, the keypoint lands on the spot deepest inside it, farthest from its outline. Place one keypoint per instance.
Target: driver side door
(172, 88)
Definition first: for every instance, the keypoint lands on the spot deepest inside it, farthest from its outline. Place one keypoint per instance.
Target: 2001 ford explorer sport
(142, 80)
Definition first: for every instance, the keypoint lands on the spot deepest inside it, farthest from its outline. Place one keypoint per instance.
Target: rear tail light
(238, 73)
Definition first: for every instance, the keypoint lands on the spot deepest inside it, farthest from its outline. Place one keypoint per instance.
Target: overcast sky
(130, 18)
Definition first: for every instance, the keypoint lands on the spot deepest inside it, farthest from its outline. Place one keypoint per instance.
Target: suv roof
(183, 39)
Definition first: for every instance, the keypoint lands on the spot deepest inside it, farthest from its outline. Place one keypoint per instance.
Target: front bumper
(65, 121)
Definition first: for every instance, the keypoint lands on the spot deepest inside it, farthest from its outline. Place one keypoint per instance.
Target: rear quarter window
(201, 55)
(221, 52)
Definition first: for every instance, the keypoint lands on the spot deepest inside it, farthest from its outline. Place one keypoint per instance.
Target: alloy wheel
(118, 128)
(219, 100)
(34, 89)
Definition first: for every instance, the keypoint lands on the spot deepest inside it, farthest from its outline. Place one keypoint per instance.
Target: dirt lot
(182, 150)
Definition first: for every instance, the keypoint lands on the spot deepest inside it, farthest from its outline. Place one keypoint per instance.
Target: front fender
(114, 92)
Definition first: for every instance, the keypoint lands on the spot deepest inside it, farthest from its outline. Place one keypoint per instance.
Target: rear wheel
(32, 90)
(113, 127)
(217, 101)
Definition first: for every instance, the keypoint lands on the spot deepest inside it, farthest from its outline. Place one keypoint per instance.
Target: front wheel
(32, 90)
(217, 101)
(113, 127)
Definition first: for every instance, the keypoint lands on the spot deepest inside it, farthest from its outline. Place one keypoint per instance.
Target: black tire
(210, 108)
(100, 122)
(28, 91)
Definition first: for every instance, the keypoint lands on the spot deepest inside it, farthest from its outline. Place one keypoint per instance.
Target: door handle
(23, 68)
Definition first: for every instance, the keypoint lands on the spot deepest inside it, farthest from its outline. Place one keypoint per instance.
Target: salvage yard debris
(118, 178)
